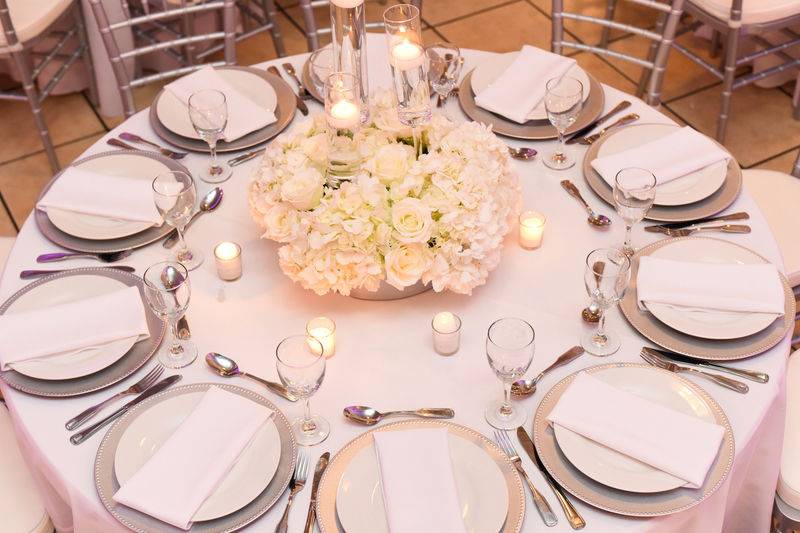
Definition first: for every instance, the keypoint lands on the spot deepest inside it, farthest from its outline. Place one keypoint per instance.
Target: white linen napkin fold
(244, 115)
(90, 193)
(189, 466)
(419, 490)
(671, 157)
(72, 327)
(520, 88)
(710, 286)
(665, 439)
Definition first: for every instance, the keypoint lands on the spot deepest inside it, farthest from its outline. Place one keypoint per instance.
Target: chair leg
(270, 14)
(557, 26)
(86, 56)
(796, 98)
(611, 7)
(729, 71)
(644, 78)
(715, 42)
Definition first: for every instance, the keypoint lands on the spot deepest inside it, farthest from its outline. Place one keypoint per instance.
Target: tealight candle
(446, 333)
(324, 330)
(228, 257)
(347, 4)
(531, 229)
(344, 114)
(407, 55)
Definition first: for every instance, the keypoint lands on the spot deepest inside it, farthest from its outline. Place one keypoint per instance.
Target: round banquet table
(384, 354)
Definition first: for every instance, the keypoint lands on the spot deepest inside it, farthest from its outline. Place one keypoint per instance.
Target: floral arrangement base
(386, 292)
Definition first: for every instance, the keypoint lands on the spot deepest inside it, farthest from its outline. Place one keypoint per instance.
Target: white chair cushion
(778, 195)
(753, 11)
(32, 17)
(21, 508)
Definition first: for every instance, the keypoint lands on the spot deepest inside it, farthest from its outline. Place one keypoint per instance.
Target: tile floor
(761, 132)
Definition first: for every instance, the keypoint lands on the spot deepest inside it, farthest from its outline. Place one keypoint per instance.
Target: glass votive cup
(446, 328)
(531, 229)
(323, 329)
(228, 258)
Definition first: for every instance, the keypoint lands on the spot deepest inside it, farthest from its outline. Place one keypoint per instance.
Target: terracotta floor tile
(442, 11)
(781, 163)
(6, 226)
(502, 29)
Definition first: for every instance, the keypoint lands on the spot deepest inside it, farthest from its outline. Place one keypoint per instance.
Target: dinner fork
(542, 506)
(302, 91)
(136, 388)
(627, 119)
(728, 383)
(685, 232)
(295, 485)
(132, 137)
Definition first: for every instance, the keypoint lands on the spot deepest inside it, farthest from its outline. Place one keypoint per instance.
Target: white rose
(316, 148)
(281, 223)
(406, 264)
(412, 221)
(391, 162)
(303, 190)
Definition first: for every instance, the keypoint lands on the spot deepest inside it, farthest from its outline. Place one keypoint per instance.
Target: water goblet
(634, 193)
(167, 291)
(208, 111)
(321, 67)
(301, 368)
(445, 63)
(509, 348)
(606, 277)
(563, 101)
(174, 194)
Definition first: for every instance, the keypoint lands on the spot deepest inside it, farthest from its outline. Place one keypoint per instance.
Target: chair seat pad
(778, 196)
(32, 17)
(753, 11)
(20, 506)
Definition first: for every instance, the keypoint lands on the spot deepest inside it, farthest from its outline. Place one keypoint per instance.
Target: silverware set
(243, 158)
(576, 136)
(659, 361)
(752, 375)
(295, 485)
(682, 229)
(368, 416)
(311, 516)
(301, 105)
(624, 121)
(111, 257)
(227, 367)
(595, 219)
(119, 143)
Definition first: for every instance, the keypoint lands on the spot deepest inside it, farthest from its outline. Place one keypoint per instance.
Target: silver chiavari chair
(20, 47)
(663, 38)
(170, 40)
(259, 16)
(315, 32)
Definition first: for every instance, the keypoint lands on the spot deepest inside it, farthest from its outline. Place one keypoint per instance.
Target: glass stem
(628, 232)
(417, 137)
(562, 147)
(212, 144)
(601, 326)
(183, 249)
(506, 409)
(176, 348)
(308, 423)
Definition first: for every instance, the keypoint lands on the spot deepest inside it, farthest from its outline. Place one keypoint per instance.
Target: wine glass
(445, 63)
(321, 67)
(174, 194)
(606, 276)
(167, 291)
(509, 348)
(301, 367)
(634, 193)
(208, 111)
(563, 101)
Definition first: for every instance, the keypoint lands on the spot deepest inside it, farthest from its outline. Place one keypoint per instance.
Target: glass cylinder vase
(349, 44)
(343, 115)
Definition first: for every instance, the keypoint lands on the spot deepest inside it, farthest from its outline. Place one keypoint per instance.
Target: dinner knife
(301, 105)
(81, 436)
(28, 274)
(239, 159)
(752, 375)
(322, 464)
(680, 225)
(574, 137)
(572, 514)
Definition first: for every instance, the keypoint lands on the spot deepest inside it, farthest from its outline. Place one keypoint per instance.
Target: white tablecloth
(384, 356)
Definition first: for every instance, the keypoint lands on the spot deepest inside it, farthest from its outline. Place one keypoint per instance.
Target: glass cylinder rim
(458, 321)
(186, 184)
(163, 264)
(236, 244)
(443, 44)
(328, 321)
(650, 185)
(528, 324)
(400, 8)
(209, 91)
(532, 219)
(626, 261)
(307, 339)
(552, 88)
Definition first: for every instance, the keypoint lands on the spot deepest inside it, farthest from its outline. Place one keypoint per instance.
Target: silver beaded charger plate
(533, 129)
(708, 349)
(309, 84)
(137, 240)
(619, 501)
(106, 481)
(710, 205)
(137, 356)
(284, 113)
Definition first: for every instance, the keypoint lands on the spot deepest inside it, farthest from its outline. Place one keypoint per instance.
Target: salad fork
(541, 504)
(728, 383)
(295, 485)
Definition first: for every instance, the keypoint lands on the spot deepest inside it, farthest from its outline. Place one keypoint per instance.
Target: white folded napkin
(671, 157)
(72, 327)
(189, 466)
(665, 439)
(520, 88)
(244, 115)
(90, 193)
(419, 490)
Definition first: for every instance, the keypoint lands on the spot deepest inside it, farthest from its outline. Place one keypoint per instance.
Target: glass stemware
(174, 194)
(444, 68)
(301, 368)
(606, 276)
(634, 193)
(208, 111)
(167, 291)
(509, 348)
(563, 101)
(321, 67)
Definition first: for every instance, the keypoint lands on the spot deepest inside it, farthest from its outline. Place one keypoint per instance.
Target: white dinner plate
(488, 71)
(707, 324)
(101, 228)
(76, 364)
(482, 490)
(684, 190)
(174, 114)
(615, 469)
(248, 477)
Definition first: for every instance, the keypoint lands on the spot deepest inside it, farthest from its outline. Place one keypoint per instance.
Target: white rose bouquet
(440, 218)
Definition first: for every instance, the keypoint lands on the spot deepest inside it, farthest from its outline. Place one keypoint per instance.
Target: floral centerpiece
(439, 219)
